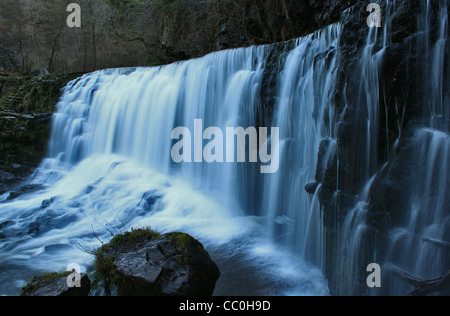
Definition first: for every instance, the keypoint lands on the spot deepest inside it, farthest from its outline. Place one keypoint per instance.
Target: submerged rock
(144, 263)
(311, 188)
(55, 284)
(149, 199)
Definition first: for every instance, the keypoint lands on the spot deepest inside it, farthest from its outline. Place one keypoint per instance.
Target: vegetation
(26, 107)
(28, 94)
(40, 281)
(104, 259)
(117, 33)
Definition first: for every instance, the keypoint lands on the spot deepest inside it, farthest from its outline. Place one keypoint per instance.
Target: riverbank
(27, 104)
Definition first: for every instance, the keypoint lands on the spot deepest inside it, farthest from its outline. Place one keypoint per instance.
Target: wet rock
(5, 229)
(74, 204)
(90, 188)
(55, 284)
(50, 220)
(149, 199)
(56, 248)
(5, 179)
(144, 263)
(311, 187)
(6, 224)
(10, 229)
(47, 203)
(13, 195)
(25, 189)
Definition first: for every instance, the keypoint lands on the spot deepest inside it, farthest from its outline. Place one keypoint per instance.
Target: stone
(311, 187)
(146, 264)
(55, 284)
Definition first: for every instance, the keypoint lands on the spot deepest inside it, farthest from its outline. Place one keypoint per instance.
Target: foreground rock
(55, 284)
(144, 263)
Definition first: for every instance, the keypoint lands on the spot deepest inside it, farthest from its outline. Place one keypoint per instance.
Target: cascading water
(428, 216)
(110, 169)
(428, 213)
(355, 229)
(305, 117)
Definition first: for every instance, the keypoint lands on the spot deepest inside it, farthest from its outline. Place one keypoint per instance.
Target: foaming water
(108, 195)
(109, 169)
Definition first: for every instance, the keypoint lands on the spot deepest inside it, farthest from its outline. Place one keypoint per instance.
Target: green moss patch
(126, 242)
(24, 94)
(129, 239)
(40, 281)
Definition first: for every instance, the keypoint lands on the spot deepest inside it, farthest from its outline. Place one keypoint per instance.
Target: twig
(95, 235)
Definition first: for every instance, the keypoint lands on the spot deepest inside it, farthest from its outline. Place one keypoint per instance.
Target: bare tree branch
(425, 287)
(437, 243)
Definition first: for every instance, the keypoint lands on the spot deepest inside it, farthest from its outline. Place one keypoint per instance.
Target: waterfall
(353, 241)
(427, 215)
(305, 117)
(110, 169)
(109, 166)
(131, 112)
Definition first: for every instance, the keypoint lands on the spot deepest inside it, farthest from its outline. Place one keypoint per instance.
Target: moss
(184, 241)
(183, 260)
(40, 281)
(133, 238)
(33, 94)
(180, 240)
(105, 270)
(124, 6)
(104, 259)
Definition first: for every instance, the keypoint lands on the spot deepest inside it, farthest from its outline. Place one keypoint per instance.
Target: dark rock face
(26, 108)
(311, 187)
(149, 199)
(173, 265)
(403, 93)
(55, 284)
(23, 143)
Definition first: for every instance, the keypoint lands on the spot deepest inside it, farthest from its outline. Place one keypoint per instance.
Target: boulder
(311, 188)
(144, 263)
(55, 284)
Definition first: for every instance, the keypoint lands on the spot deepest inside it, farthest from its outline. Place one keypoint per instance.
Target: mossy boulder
(55, 284)
(145, 263)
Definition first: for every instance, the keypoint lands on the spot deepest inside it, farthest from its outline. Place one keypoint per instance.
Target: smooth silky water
(109, 169)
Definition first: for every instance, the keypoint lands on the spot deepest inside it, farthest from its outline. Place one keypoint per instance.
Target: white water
(110, 148)
(305, 117)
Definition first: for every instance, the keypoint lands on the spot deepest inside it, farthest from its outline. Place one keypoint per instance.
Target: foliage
(28, 94)
(118, 33)
(40, 281)
(104, 260)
